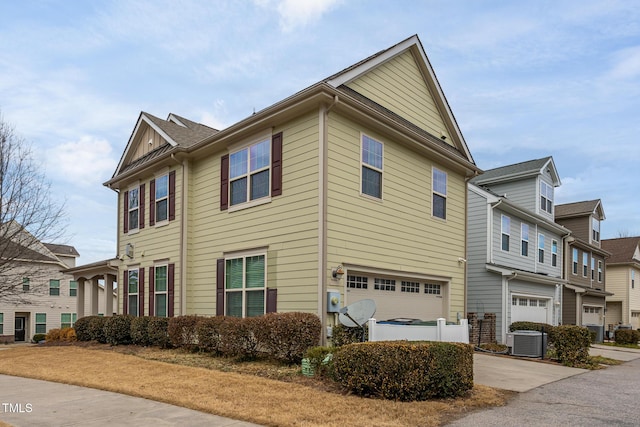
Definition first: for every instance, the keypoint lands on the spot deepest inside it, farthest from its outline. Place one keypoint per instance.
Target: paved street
(606, 397)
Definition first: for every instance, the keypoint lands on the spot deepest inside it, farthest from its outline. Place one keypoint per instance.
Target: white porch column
(80, 298)
(108, 294)
(94, 296)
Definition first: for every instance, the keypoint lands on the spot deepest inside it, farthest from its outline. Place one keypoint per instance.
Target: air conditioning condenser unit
(527, 343)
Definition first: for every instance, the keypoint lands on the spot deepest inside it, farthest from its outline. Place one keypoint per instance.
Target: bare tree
(29, 215)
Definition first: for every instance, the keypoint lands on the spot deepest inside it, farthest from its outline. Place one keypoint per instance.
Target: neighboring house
(353, 188)
(584, 295)
(49, 296)
(515, 249)
(623, 279)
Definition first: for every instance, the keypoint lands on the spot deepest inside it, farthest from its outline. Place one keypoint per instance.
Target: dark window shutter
(224, 182)
(272, 300)
(141, 213)
(172, 195)
(170, 289)
(125, 293)
(220, 287)
(152, 292)
(126, 212)
(276, 164)
(141, 292)
(152, 202)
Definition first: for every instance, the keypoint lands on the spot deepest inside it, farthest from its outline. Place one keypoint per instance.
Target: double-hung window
(506, 232)
(162, 198)
(245, 279)
(554, 253)
(249, 173)
(546, 197)
(1, 323)
(524, 230)
(26, 285)
(133, 289)
(160, 295)
(595, 229)
(633, 279)
(599, 271)
(593, 268)
(585, 264)
(134, 208)
(439, 199)
(54, 287)
(372, 154)
(574, 269)
(541, 248)
(73, 288)
(67, 320)
(41, 323)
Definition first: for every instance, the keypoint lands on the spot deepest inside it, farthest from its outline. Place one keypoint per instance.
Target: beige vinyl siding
(287, 226)
(399, 86)
(359, 229)
(618, 282)
(148, 141)
(634, 294)
(152, 243)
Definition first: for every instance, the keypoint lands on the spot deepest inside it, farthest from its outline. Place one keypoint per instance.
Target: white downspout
(507, 303)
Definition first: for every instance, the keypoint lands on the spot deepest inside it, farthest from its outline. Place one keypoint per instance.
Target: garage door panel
(407, 300)
(530, 309)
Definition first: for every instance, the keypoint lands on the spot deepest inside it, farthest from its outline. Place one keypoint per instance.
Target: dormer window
(595, 229)
(546, 197)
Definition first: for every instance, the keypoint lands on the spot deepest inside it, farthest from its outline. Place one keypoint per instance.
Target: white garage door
(591, 315)
(530, 309)
(395, 297)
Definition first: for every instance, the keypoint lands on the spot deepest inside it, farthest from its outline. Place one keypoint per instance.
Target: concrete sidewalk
(26, 402)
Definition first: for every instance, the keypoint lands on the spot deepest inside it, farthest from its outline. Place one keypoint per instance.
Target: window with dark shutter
(220, 287)
(152, 202)
(125, 288)
(141, 217)
(170, 289)
(224, 183)
(172, 195)
(125, 212)
(151, 292)
(276, 164)
(272, 300)
(141, 292)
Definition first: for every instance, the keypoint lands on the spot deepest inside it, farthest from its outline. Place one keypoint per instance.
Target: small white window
(546, 197)
(371, 161)
(506, 232)
(134, 206)
(439, 197)
(432, 288)
(410, 287)
(384, 284)
(357, 282)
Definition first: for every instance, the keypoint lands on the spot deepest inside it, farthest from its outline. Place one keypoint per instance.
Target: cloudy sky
(524, 80)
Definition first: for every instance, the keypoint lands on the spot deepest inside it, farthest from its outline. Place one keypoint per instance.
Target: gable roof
(623, 250)
(62, 250)
(519, 171)
(190, 138)
(578, 209)
(176, 131)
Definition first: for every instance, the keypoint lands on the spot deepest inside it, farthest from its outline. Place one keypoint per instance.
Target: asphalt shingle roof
(517, 169)
(576, 209)
(622, 249)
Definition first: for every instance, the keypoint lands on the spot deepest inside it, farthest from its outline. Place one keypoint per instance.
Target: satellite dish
(358, 313)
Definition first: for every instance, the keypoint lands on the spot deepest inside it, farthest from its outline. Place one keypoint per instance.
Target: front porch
(89, 277)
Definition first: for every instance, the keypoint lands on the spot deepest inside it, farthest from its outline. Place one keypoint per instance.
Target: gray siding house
(515, 249)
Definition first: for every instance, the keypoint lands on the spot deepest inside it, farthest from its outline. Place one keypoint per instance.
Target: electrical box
(333, 301)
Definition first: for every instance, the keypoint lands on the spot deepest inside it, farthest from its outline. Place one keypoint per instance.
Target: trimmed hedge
(287, 336)
(183, 333)
(157, 330)
(140, 330)
(626, 336)
(533, 326)
(238, 337)
(571, 343)
(39, 337)
(117, 329)
(399, 370)
(210, 337)
(90, 328)
(343, 335)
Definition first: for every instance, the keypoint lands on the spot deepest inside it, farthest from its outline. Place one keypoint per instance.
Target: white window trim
(522, 239)
(600, 271)
(585, 264)
(502, 232)
(575, 258)
(363, 164)
(245, 255)
(155, 201)
(265, 135)
(129, 294)
(433, 191)
(133, 230)
(541, 239)
(155, 289)
(544, 183)
(554, 255)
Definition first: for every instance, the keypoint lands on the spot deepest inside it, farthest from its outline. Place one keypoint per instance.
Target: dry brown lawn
(260, 392)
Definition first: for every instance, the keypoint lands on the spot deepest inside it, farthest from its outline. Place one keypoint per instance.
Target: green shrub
(343, 335)
(157, 331)
(183, 332)
(39, 337)
(400, 370)
(209, 334)
(89, 328)
(321, 359)
(286, 336)
(626, 336)
(117, 329)
(571, 344)
(532, 326)
(140, 330)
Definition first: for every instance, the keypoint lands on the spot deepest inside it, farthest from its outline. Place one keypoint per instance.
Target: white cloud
(84, 163)
(295, 14)
(626, 64)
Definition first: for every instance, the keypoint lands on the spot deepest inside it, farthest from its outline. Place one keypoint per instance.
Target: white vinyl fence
(440, 332)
